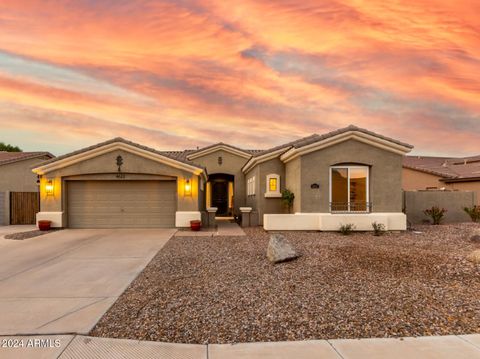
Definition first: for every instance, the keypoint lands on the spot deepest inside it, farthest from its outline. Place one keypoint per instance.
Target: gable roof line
(429, 171)
(26, 156)
(215, 147)
(76, 156)
(343, 134)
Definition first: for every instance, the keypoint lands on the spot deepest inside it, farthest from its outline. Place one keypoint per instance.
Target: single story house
(18, 186)
(350, 175)
(434, 173)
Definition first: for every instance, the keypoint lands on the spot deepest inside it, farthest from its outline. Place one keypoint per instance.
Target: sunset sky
(181, 74)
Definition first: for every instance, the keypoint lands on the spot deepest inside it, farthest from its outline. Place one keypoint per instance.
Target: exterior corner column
(211, 222)
(246, 216)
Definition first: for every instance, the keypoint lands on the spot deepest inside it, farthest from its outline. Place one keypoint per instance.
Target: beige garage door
(121, 204)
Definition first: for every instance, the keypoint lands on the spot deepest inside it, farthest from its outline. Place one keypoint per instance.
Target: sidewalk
(83, 347)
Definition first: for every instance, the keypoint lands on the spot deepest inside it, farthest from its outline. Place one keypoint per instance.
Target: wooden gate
(23, 207)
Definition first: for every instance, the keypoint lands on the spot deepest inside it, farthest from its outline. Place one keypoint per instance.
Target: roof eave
(360, 136)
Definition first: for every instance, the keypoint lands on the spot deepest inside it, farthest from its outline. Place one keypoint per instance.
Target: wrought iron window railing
(350, 207)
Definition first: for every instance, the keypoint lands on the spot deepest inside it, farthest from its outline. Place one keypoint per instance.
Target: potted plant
(195, 225)
(44, 225)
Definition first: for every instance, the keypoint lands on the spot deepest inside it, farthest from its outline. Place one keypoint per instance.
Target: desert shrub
(287, 199)
(473, 212)
(435, 213)
(378, 228)
(347, 228)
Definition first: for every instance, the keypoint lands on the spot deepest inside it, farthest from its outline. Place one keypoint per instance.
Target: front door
(220, 197)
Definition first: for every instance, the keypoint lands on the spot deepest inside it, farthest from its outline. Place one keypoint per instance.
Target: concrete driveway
(63, 282)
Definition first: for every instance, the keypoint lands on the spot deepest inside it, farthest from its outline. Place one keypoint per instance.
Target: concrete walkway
(83, 347)
(63, 282)
(224, 228)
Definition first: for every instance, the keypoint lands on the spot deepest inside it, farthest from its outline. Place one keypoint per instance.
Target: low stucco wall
(415, 202)
(332, 222)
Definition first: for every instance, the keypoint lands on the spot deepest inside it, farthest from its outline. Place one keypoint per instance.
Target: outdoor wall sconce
(188, 188)
(49, 188)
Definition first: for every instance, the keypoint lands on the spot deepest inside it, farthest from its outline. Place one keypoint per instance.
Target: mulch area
(224, 290)
(29, 234)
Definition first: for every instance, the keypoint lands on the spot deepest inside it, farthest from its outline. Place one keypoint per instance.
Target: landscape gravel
(224, 290)
(29, 234)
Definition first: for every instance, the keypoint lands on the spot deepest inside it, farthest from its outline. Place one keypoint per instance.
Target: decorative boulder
(279, 249)
(474, 256)
(475, 236)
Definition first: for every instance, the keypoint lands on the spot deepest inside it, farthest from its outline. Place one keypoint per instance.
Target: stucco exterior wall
(252, 200)
(104, 167)
(466, 186)
(18, 176)
(293, 182)
(453, 201)
(231, 164)
(413, 180)
(385, 178)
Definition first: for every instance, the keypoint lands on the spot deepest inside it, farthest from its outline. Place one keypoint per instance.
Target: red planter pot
(44, 225)
(195, 225)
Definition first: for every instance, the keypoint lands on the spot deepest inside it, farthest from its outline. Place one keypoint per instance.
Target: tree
(9, 148)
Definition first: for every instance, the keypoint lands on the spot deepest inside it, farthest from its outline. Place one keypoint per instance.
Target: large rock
(474, 256)
(279, 249)
(475, 236)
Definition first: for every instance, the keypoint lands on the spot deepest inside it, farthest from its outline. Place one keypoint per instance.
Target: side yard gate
(24, 207)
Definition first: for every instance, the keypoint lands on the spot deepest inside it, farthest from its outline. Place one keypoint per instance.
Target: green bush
(378, 228)
(436, 214)
(473, 212)
(346, 229)
(287, 199)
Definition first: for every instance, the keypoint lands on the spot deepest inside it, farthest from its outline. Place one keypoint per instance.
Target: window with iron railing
(349, 189)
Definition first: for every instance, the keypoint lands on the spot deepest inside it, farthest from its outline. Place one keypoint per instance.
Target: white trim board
(71, 160)
(355, 135)
(220, 147)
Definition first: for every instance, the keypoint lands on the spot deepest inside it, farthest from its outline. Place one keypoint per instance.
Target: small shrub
(436, 214)
(473, 212)
(346, 229)
(378, 228)
(287, 199)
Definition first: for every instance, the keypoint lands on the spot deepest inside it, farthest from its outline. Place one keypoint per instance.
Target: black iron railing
(350, 207)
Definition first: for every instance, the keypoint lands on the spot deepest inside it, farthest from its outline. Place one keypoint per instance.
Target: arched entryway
(220, 189)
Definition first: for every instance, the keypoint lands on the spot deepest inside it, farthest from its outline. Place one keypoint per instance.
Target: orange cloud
(255, 73)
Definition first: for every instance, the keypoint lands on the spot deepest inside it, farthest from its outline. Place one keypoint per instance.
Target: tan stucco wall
(104, 167)
(385, 175)
(414, 180)
(259, 202)
(18, 176)
(473, 186)
(293, 182)
(231, 164)
(252, 201)
(418, 180)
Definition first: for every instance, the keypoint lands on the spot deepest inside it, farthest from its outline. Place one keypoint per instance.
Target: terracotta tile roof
(11, 157)
(450, 168)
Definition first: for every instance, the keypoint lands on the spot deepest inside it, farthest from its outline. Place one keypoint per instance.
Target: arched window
(349, 189)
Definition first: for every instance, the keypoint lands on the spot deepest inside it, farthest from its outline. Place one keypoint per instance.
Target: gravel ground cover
(224, 290)
(29, 234)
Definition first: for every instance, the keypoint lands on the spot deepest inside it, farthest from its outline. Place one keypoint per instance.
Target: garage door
(121, 204)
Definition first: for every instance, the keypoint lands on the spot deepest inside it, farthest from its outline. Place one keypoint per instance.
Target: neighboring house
(16, 179)
(424, 172)
(351, 175)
